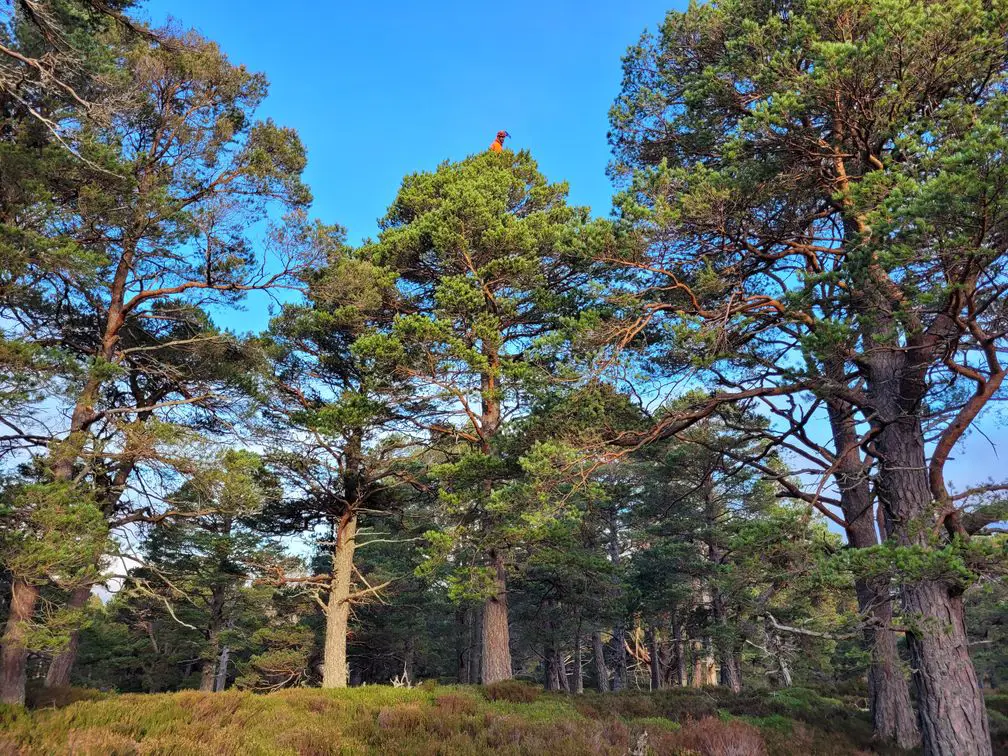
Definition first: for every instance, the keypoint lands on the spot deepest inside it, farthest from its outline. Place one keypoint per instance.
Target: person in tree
(498, 143)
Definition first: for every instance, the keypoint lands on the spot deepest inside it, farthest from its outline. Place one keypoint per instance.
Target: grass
(510, 719)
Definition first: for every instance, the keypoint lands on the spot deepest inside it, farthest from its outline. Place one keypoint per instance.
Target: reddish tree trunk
(14, 654)
(496, 634)
(58, 675)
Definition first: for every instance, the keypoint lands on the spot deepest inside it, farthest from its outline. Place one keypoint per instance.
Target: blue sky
(379, 90)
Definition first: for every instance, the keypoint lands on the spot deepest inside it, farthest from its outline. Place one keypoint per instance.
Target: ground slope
(508, 718)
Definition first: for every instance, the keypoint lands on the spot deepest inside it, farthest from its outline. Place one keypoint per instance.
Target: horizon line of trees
(506, 438)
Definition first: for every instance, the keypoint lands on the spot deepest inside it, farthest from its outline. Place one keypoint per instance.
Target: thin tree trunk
(14, 654)
(698, 673)
(704, 666)
(335, 673)
(58, 675)
(208, 675)
(730, 672)
(463, 649)
(409, 661)
(222, 670)
(578, 663)
(655, 660)
(496, 634)
(619, 678)
(561, 666)
(601, 671)
(475, 645)
(679, 654)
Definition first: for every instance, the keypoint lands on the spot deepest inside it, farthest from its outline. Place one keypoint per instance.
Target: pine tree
(491, 263)
(823, 202)
(119, 267)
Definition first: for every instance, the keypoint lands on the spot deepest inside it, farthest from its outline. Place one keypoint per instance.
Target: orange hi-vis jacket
(498, 143)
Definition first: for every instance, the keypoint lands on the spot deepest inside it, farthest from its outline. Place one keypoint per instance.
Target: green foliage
(52, 531)
(283, 662)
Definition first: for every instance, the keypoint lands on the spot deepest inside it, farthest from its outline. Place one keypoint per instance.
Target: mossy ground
(508, 719)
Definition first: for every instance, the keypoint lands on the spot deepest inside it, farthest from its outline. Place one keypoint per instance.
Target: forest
(681, 479)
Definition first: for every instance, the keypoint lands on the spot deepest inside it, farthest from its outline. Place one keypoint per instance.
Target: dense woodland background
(700, 443)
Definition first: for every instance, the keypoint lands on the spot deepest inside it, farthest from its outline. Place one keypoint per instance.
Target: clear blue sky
(378, 90)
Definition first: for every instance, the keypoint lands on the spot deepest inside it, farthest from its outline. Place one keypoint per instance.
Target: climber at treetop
(498, 143)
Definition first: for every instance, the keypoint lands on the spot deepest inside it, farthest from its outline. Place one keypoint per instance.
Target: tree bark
(14, 654)
(220, 684)
(619, 658)
(654, 651)
(208, 675)
(892, 713)
(561, 666)
(678, 666)
(619, 672)
(601, 671)
(475, 645)
(335, 673)
(704, 667)
(496, 634)
(578, 662)
(730, 674)
(951, 711)
(731, 671)
(409, 661)
(58, 675)
(952, 716)
(463, 647)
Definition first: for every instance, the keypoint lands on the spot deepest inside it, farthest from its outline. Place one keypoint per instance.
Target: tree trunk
(678, 666)
(704, 666)
(601, 671)
(496, 635)
(409, 661)
(208, 676)
(619, 678)
(619, 657)
(730, 672)
(654, 651)
(335, 673)
(952, 716)
(888, 694)
(578, 663)
(58, 675)
(475, 645)
(551, 681)
(561, 666)
(698, 674)
(14, 654)
(951, 711)
(463, 649)
(220, 684)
